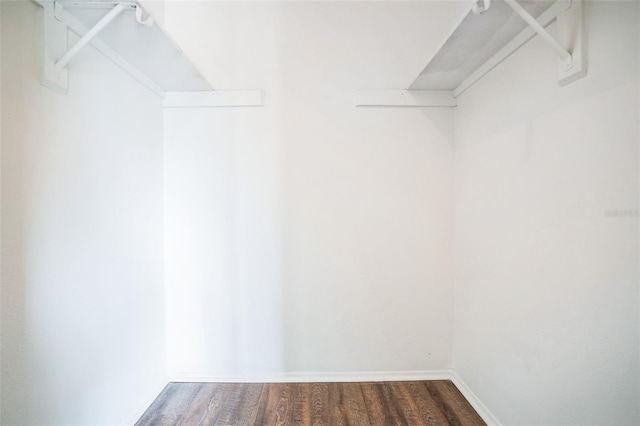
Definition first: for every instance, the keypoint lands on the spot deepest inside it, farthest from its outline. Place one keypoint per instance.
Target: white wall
(82, 249)
(307, 235)
(0, 216)
(546, 287)
(311, 236)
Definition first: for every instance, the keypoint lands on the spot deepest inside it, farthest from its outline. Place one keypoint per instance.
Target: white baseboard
(302, 377)
(475, 402)
(146, 403)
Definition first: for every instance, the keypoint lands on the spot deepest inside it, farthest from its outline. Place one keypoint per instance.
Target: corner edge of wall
(146, 402)
(475, 402)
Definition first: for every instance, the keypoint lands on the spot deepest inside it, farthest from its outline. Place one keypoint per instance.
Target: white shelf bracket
(572, 59)
(53, 45)
(106, 20)
(404, 98)
(213, 99)
(572, 33)
(55, 52)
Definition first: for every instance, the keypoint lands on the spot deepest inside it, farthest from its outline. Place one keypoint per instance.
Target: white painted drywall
(0, 217)
(1, 281)
(82, 249)
(546, 285)
(155, 8)
(311, 236)
(307, 235)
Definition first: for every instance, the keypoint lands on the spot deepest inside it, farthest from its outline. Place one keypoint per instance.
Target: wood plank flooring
(436, 402)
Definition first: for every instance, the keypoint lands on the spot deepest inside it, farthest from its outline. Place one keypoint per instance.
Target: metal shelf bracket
(55, 53)
(106, 20)
(53, 45)
(572, 58)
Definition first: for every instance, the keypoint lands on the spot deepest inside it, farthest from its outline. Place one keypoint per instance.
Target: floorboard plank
(346, 405)
(301, 395)
(240, 404)
(333, 404)
(200, 405)
(453, 404)
(319, 404)
(279, 410)
(381, 407)
(416, 404)
(218, 394)
(262, 406)
(170, 406)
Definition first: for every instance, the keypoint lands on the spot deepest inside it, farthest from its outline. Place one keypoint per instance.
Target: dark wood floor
(435, 402)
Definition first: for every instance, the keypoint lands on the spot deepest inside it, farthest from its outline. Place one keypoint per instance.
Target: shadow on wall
(307, 236)
(82, 297)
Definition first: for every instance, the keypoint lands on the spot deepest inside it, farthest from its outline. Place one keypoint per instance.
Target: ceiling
(351, 44)
(355, 44)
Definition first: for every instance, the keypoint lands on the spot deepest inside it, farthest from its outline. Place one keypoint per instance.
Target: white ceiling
(356, 44)
(359, 44)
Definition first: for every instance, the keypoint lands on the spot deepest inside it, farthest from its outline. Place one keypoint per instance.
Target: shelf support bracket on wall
(564, 55)
(214, 98)
(55, 54)
(572, 62)
(106, 20)
(53, 45)
(404, 98)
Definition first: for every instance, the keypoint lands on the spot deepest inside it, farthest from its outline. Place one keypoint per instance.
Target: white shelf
(149, 49)
(146, 52)
(474, 40)
(481, 41)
